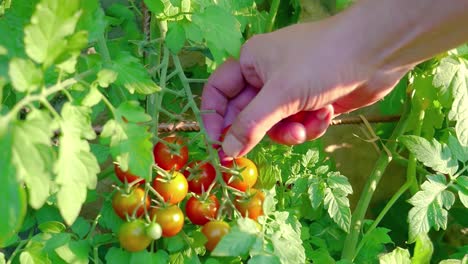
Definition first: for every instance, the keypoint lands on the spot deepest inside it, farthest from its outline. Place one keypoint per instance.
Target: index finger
(225, 83)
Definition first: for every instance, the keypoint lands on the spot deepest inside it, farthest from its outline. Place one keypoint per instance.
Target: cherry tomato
(127, 176)
(173, 190)
(201, 177)
(170, 218)
(154, 231)
(201, 212)
(171, 157)
(252, 205)
(132, 236)
(214, 231)
(128, 203)
(248, 173)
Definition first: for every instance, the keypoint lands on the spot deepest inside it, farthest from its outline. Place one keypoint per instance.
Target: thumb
(266, 109)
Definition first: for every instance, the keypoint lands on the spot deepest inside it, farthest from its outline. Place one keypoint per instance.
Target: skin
(324, 68)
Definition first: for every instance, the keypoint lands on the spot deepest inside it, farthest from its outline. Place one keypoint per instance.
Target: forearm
(399, 33)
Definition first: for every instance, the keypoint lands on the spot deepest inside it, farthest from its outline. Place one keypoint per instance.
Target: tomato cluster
(159, 202)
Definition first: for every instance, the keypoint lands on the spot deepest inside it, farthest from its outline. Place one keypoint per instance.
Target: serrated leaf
(235, 243)
(131, 111)
(105, 77)
(336, 182)
(338, 208)
(24, 75)
(92, 20)
(175, 38)
(81, 227)
(155, 6)
(374, 244)
(286, 241)
(76, 167)
(316, 192)
(132, 75)
(397, 256)
(31, 155)
(221, 31)
(428, 210)
(462, 183)
(321, 255)
(117, 255)
(264, 259)
(459, 151)
(431, 153)
(51, 23)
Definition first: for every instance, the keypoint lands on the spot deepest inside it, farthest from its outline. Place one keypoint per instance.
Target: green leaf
(221, 31)
(131, 111)
(336, 182)
(193, 32)
(155, 6)
(51, 227)
(12, 195)
(109, 219)
(393, 102)
(117, 255)
(286, 240)
(132, 75)
(430, 207)
(397, 256)
(24, 75)
(432, 154)
(321, 255)
(160, 256)
(100, 151)
(32, 156)
(81, 227)
(76, 167)
(264, 259)
(3, 51)
(92, 98)
(45, 38)
(452, 78)
(337, 205)
(459, 151)
(451, 261)
(374, 244)
(462, 182)
(175, 244)
(105, 77)
(92, 20)
(316, 191)
(175, 38)
(423, 249)
(235, 243)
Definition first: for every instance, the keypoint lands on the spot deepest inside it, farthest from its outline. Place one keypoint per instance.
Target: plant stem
(411, 169)
(349, 249)
(273, 11)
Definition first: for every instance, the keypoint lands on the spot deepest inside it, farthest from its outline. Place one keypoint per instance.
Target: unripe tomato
(201, 176)
(128, 203)
(133, 237)
(252, 205)
(170, 218)
(154, 231)
(214, 231)
(201, 212)
(248, 173)
(170, 156)
(173, 190)
(127, 176)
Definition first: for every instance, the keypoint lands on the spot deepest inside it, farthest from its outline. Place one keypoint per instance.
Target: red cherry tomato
(248, 174)
(128, 203)
(127, 176)
(170, 218)
(173, 190)
(214, 231)
(252, 205)
(201, 176)
(201, 212)
(170, 156)
(132, 236)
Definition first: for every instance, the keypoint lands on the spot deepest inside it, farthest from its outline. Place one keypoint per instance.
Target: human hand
(290, 84)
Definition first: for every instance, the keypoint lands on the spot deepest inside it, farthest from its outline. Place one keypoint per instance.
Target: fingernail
(322, 113)
(231, 146)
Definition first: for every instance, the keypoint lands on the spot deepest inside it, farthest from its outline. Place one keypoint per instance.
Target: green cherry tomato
(133, 235)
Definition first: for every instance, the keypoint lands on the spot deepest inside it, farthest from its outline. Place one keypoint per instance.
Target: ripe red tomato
(201, 212)
(170, 156)
(127, 176)
(129, 203)
(132, 236)
(214, 231)
(252, 205)
(248, 173)
(201, 176)
(170, 218)
(173, 190)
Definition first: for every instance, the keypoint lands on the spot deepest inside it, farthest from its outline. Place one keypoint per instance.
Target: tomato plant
(171, 153)
(172, 190)
(200, 176)
(133, 236)
(199, 212)
(247, 173)
(214, 232)
(251, 205)
(135, 202)
(170, 218)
